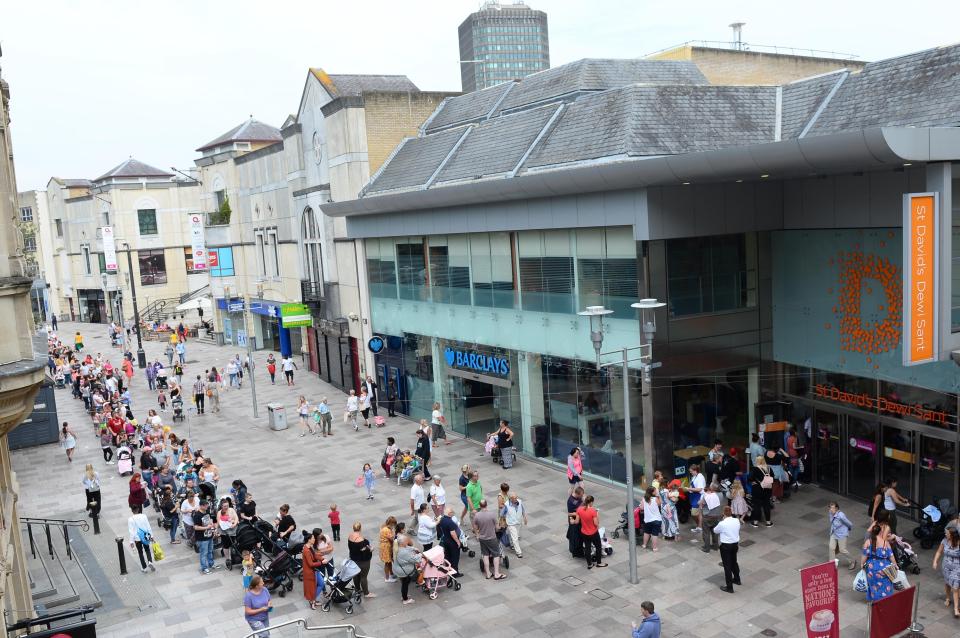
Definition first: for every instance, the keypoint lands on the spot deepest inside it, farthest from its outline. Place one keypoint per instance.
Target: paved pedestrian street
(547, 593)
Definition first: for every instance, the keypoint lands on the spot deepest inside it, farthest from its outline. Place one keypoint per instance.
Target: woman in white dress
(68, 440)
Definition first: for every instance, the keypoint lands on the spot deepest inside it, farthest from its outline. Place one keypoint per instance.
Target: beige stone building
(148, 209)
(741, 67)
(21, 372)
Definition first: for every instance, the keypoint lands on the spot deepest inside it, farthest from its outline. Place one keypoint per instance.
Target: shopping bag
(157, 551)
(901, 582)
(359, 481)
(860, 582)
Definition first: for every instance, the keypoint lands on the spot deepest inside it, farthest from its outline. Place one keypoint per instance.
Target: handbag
(359, 481)
(767, 481)
(346, 417)
(157, 551)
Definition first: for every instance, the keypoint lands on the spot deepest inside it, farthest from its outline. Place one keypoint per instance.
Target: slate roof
(413, 164)
(801, 100)
(659, 120)
(564, 82)
(133, 168)
(616, 111)
(76, 183)
(497, 145)
(920, 89)
(250, 131)
(339, 85)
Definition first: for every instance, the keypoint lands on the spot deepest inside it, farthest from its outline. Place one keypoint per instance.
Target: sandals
(500, 577)
(313, 605)
(601, 565)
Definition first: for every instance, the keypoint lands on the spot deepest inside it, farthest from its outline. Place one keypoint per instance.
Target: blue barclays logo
(477, 362)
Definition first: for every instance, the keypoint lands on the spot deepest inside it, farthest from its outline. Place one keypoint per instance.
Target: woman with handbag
(389, 456)
(761, 487)
(877, 563)
(311, 568)
(141, 537)
(437, 421)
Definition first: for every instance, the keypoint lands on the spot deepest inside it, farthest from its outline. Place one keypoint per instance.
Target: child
(248, 568)
(162, 400)
(334, 521)
(840, 527)
(738, 502)
(368, 480)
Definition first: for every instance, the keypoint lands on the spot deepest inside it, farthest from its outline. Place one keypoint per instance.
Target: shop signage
(861, 444)
(477, 362)
(294, 315)
(109, 248)
(376, 345)
(821, 590)
(881, 404)
(921, 325)
(197, 247)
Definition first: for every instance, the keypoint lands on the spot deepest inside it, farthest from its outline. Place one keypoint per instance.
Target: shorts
(575, 479)
(652, 528)
(489, 547)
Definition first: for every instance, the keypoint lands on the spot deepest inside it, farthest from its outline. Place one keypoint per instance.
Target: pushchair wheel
(471, 553)
(348, 608)
(283, 592)
(288, 585)
(433, 596)
(358, 597)
(916, 569)
(506, 561)
(918, 532)
(616, 533)
(326, 607)
(229, 564)
(456, 587)
(449, 583)
(926, 543)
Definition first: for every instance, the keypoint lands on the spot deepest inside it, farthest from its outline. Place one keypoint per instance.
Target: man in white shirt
(711, 508)
(698, 484)
(288, 366)
(729, 531)
(417, 495)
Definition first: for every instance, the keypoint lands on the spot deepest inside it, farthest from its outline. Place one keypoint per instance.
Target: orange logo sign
(860, 273)
(920, 253)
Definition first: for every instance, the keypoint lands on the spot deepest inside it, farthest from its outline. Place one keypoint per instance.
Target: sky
(96, 81)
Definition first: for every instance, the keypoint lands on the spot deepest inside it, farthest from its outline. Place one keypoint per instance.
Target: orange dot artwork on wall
(858, 275)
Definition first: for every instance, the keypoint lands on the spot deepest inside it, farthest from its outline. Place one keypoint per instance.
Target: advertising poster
(109, 248)
(197, 246)
(820, 596)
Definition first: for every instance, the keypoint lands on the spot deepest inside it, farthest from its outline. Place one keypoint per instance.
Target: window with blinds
(546, 271)
(450, 269)
(381, 268)
(607, 269)
(491, 265)
(412, 271)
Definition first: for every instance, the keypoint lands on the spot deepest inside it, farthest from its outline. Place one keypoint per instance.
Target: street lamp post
(141, 355)
(596, 315)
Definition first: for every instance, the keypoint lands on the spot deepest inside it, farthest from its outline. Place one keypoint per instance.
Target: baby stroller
(933, 523)
(124, 461)
(408, 471)
(605, 546)
(437, 572)
(162, 383)
(339, 588)
(904, 555)
(622, 527)
(247, 539)
(178, 409)
(276, 574)
(491, 448)
(58, 378)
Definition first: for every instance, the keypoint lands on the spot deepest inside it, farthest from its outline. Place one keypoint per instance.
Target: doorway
(827, 451)
(479, 402)
(861, 458)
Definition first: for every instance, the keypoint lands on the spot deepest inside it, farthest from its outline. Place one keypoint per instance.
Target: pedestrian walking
(213, 393)
(78, 342)
(575, 469)
(199, 393)
(391, 397)
(437, 421)
(364, 401)
(485, 527)
(91, 486)
(141, 536)
(728, 530)
(423, 452)
(232, 373)
(372, 388)
(353, 407)
(272, 368)
(326, 418)
(181, 352)
(169, 351)
(514, 514)
(334, 516)
(53, 322)
(463, 482)
(877, 559)
(437, 496)
(761, 488)
(68, 440)
(649, 626)
(257, 607)
(151, 374)
(303, 410)
(369, 480)
(204, 526)
(892, 499)
(418, 497)
(288, 365)
(840, 527)
(949, 551)
(652, 519)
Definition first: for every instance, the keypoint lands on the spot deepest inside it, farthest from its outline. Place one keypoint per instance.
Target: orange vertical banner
(921, 323)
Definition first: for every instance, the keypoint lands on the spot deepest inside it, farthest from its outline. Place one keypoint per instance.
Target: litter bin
(276, 416)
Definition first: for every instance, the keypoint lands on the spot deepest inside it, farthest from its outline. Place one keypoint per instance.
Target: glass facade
(712, 274)
(553, 271)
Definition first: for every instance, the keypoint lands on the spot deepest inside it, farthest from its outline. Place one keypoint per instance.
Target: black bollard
(33, 545)
(96, 523)
(46, 529)
(121, 556)
(66, 540)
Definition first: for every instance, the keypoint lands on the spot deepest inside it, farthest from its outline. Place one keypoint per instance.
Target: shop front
(92, 305)
(333, 355)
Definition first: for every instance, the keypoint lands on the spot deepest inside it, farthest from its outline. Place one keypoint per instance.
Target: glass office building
(500, 43)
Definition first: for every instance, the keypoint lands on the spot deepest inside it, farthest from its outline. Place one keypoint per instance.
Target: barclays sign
(482, 363)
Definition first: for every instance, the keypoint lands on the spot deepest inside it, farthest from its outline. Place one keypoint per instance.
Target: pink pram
(437, 572)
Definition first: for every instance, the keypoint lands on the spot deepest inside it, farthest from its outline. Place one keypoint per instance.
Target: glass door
(862, 457)
(938, 478)
(827, 450)
(898, 459)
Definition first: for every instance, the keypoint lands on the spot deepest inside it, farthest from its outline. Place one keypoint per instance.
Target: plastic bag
(860, 582)
(901, 582)
(157, 551)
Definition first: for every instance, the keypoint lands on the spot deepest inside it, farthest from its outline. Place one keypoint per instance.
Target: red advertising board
(820, 595)
(892, 615)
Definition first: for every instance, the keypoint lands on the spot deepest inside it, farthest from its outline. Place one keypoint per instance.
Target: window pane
(147, 219)
(449, 269)
(546, 271)
(153, 267)
(412, 270)
(711, 274)
(221, 264)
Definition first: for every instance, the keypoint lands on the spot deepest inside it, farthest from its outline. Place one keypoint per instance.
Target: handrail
(64, 526)
(84, 525)
(302, 624)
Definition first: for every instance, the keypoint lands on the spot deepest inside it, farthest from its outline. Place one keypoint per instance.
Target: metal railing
(194, 293)
(758, 48)
(302, 626)
(311, 291)
(47, 524)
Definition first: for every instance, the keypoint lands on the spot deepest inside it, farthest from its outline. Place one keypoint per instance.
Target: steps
(57, 580)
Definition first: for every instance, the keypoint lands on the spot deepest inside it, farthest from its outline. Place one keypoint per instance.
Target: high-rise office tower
(502, 42)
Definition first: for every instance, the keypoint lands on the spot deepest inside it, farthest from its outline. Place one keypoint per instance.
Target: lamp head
(648, 316)
(596, 315)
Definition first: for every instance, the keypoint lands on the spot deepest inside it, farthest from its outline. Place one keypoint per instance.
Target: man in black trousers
(729, 531)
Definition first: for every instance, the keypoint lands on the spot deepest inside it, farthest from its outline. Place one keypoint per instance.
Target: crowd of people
(183, 483)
